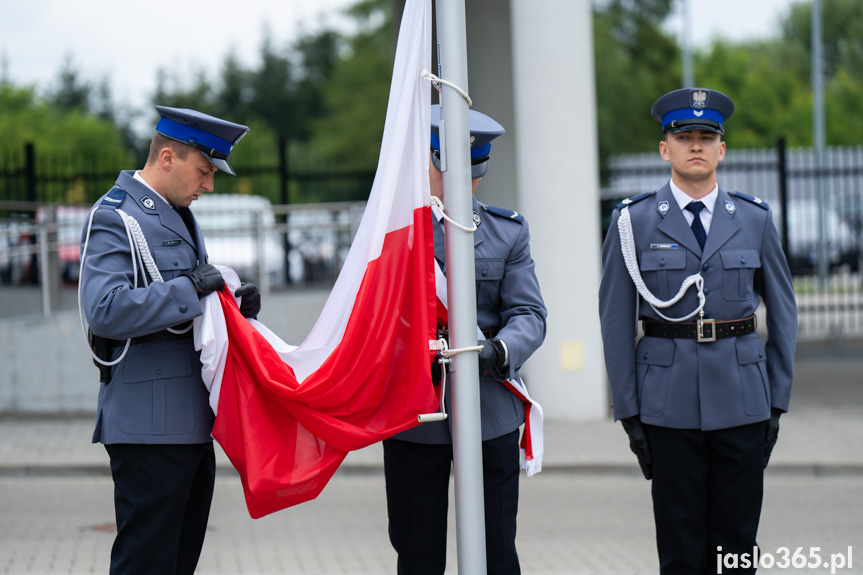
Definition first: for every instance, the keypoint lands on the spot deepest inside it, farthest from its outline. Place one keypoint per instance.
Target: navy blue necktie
(697, 227)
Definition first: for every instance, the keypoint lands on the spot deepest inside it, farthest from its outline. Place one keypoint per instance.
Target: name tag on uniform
(171, 242)
(663, 246)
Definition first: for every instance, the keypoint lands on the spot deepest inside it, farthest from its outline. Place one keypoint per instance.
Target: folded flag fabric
(287, 416)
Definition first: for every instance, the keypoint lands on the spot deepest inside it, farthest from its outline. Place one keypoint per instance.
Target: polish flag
(287, 416)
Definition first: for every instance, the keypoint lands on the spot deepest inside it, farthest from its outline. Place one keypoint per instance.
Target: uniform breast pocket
(660, 268)
(489, 272)
(174, 260)
(654, 359)
(738, 273)
(156, 396)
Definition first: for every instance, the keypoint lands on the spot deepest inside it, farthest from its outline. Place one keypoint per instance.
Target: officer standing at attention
(153, 413)
(698, 395)
(511, 313)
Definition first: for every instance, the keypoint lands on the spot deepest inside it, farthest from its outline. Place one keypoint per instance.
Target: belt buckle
(701, 323)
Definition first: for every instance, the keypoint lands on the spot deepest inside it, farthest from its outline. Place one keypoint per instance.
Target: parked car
(317, 243)
(70, 221)
(231, 227)
(803, 238)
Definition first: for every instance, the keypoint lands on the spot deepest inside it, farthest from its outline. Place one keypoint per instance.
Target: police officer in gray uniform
(512, 315)
(699, 395)
(153, 413)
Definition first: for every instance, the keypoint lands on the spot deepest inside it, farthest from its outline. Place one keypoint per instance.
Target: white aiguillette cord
(141, 256)
(627, 248)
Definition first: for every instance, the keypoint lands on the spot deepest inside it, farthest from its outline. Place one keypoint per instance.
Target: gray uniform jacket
(156, 394)
(680, 383)
(507, 297)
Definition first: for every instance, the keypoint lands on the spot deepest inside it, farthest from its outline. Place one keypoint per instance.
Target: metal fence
(28, 174)
(821, 229)
(287, 220)
(276, 246)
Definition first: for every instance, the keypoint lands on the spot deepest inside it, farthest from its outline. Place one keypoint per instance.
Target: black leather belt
(160, 336)
(706, 330)
(488, 333)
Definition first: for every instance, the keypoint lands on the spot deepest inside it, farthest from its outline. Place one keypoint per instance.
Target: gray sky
(128, 40)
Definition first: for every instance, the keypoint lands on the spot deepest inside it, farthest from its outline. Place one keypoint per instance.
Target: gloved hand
(492, 355)
(772, 434)
(206, 278)
(638, 444)
(250, 299)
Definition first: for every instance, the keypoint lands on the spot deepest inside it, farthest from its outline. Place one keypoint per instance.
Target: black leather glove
(492, 355)
(250, 299)
(206, 278)
(772, 434)
(638, 444)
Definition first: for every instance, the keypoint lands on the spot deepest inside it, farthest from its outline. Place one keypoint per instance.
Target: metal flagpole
(461, 295)
(818, 138)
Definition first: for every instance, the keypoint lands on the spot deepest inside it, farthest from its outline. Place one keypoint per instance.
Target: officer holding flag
(153, 414)
(512, 316)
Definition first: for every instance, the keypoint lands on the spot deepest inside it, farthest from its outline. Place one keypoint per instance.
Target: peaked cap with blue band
(213, 137)
(483, 130)
(693, 109)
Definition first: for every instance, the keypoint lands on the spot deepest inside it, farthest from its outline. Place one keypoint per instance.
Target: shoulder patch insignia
(508, 214)
(634, 199)
(114, 197)
(752, 199)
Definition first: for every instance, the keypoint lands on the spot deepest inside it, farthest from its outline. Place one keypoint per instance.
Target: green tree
(635, 61)
(356, 93)
(72, 92)
(771, 84)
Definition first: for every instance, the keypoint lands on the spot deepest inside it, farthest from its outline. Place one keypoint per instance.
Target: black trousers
(417, 477)
(707, 493)
(162, 496)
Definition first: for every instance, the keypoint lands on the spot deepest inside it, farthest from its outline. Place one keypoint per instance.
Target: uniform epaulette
(114, 197)
(508, 214)
(634, 199)
(757, 201)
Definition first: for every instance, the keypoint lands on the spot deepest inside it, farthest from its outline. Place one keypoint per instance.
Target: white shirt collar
(141, 179)
(683, 199)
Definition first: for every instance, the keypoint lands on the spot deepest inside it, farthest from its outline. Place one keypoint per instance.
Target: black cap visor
(687, 125)
(478, 167)
(219, 163)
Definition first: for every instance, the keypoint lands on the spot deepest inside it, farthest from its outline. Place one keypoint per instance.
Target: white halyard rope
(446, 353)
(438, 81)
(439, 205)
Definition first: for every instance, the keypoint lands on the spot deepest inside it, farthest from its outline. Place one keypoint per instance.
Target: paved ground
(589, 511)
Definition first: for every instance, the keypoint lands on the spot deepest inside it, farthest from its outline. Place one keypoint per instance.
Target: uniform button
(760, 354)
(183, 308)
(176, 263)
(159, 371)
(742, 260)
(706, 291)
(705, 267)
(484, 273)
(645, 357)
(662, 261)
